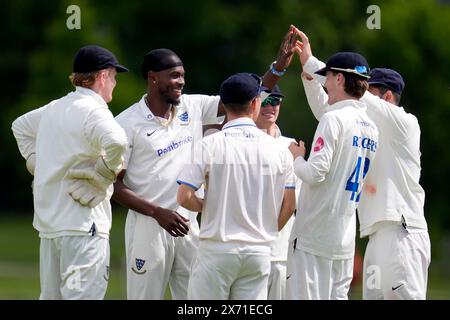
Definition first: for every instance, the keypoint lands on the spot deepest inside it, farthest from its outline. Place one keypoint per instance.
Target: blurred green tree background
(217, 38)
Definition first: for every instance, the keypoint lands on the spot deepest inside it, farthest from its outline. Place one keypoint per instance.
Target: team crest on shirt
(184, 118)
(139, 264)
(319, 144)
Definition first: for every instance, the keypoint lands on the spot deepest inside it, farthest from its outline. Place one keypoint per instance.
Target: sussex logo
(319, 144)
(184, 117)
(139, 264)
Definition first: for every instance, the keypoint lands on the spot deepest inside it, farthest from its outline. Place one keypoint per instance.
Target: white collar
(346, 103)
(240, 122)
(89, 92)
(148, 114)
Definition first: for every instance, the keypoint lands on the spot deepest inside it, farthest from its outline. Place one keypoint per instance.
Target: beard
(169, 98)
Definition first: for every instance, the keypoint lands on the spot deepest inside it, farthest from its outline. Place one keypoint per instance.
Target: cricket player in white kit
(74, 148)
(390, 212)
(248, 181)
(345, 143)
(162, 129)
(266, 121)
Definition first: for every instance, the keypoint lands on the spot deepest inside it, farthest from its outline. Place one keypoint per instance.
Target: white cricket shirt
(343, 148)
(245, 172)
(157, 153)
(71, 132)
(392, 188)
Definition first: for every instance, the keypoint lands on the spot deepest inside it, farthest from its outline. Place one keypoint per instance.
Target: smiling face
(169, 84)
(268, 115)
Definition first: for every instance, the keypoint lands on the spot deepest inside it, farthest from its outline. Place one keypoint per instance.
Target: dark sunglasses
(273, 101)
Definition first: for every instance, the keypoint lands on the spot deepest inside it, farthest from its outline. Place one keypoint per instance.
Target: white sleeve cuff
(311, 66)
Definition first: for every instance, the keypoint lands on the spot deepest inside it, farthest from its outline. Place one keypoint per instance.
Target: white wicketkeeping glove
(31, 163)
(88, 186)
(86, 194)
(100, 176)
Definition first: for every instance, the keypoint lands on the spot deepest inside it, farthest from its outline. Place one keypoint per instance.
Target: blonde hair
(85, 80)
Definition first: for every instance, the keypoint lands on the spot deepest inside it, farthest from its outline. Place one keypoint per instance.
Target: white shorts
(277, 281)
(155, 259)
(396, 264)
(311, 277)
(229, 276)
(74, 267)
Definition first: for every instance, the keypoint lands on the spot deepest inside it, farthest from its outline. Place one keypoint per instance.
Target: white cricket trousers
(311, 277)
(155, 258)
(74, 267)
(217, 275)
(277, 281)
(396, 264)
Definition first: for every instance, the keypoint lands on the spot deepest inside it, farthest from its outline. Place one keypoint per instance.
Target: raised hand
(287, 49)
(303, 47)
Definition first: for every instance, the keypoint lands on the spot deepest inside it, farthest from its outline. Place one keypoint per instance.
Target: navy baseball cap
(93, 58)
(349, 62)
(276, 92)
(241, 88)
(388, 78)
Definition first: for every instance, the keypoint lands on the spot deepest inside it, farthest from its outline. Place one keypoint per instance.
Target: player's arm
(389, 116)
(187, 199)
(171, 221)
(287, 207)
(25, 130)
(289, 204)
(89, 185)
(318, 165)
(284, 58)
(312, 83)
(191, 179)
(102, 130)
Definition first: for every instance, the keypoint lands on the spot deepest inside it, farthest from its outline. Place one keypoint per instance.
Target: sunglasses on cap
(273, 101)
(359, 70)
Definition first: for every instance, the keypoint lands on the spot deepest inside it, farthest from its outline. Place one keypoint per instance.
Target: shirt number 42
(353, 181)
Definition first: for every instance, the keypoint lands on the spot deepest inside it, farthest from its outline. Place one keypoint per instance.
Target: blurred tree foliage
(216, 38)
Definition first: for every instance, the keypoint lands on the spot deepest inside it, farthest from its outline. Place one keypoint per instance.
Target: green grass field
(19, 262)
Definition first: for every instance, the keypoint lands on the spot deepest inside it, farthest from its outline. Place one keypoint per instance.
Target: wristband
(275, 72)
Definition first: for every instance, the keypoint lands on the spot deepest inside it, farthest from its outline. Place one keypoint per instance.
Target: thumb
(301, 144)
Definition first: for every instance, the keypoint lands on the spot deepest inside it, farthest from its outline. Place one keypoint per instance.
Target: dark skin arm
(285, 54)
(221, 109)
(170, 220)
